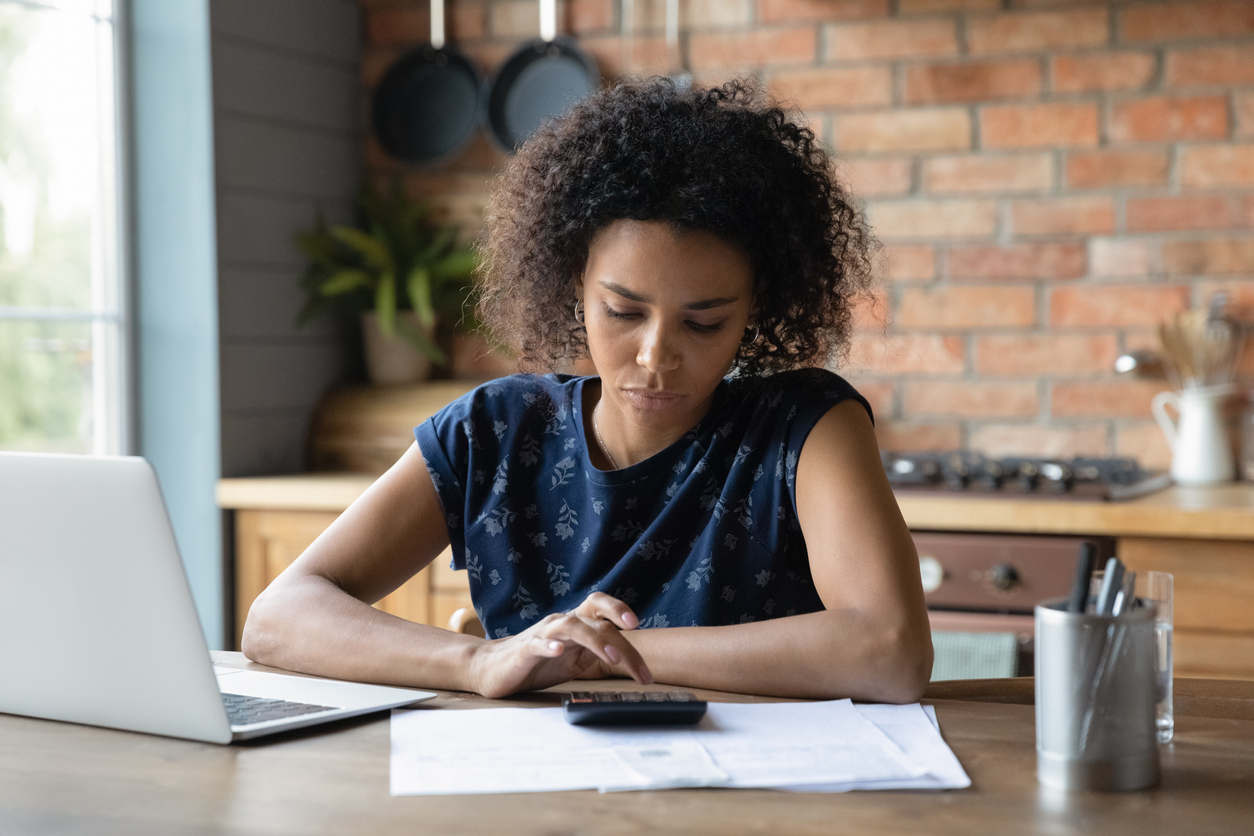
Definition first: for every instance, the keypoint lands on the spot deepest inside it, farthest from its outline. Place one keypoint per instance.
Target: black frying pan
(541, 79)
(426, 106)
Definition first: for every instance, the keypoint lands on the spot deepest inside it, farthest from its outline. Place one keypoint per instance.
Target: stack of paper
(806, 747)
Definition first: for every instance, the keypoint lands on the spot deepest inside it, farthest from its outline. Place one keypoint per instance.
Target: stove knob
(1003, 576)
(931, 573)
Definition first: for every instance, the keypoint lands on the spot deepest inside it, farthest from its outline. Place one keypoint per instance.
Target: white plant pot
(392, 360)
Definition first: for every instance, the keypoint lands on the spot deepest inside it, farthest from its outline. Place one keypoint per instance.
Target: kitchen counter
(1225, 512)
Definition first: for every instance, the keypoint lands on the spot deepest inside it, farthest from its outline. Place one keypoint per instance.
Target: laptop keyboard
(244, 711)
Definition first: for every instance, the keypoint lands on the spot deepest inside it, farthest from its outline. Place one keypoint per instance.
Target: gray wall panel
(258, 229)
(285, 87)
(287, 142)
(283, 160)
(326, 28)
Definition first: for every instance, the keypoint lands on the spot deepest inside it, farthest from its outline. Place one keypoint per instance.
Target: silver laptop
(97, 623)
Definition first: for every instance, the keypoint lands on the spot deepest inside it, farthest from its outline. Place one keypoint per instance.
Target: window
(63, 327)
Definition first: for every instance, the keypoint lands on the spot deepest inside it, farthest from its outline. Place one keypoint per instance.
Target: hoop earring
(578, 316)
(757, 332)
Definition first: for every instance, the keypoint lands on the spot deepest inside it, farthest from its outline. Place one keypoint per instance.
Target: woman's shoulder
(800, 389)
(515, 393)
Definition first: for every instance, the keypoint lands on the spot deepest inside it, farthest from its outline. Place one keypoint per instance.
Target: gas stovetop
(1020, 477)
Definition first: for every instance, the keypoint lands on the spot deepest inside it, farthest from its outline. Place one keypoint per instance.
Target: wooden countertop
(1225, 512)
(63, 778)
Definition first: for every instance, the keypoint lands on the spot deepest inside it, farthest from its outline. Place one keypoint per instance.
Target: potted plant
(400, 270)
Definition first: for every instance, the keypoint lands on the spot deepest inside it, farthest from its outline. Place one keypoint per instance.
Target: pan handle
(548, 20)
(437, 24)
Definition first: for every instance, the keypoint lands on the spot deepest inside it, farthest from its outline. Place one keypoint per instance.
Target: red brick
(934, 218)
(1116, 305)
(1102, 71)
(971, 82)
(909, 262)
(1120, 257)
(1034, 126)
(1175, 21)
(911, 437)
(1116, 169)
(834, 87)
(967, 307)
(774, 11)
(1036, 31)
(878, 177)
(376, 61)
(590, 15)
(999, 440)
(1218, 256)
(1018, 261)
(1045, 354)
(762, 47)
(969, 399)
(872, 311)
(909, 7)
(1240, 295)
(878, 393)
(1163, 119)
(1217, 165)
(398, 25)
(1108, 398)
(891, 39)
(649, 55)
(1158, 214)
(1143, 441)
(922, 129)
(1243, 105)
(909, 354)
(1210, 65)
(1068, 215)
(989, 173)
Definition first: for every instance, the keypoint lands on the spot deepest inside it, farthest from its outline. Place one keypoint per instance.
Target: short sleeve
(444, 440)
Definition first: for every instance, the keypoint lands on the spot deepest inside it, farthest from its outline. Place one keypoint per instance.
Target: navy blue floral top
(703, 533)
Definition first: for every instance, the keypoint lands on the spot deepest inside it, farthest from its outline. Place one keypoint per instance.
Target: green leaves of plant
(342, 281)
(385, 303)
(420, 296)
(371, 248)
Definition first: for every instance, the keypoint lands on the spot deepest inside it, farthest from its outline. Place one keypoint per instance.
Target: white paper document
(809, 747)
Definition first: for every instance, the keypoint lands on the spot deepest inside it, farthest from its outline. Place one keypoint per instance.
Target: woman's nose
(657, 353)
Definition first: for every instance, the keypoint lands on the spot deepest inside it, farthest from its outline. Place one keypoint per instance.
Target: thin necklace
(597, 430)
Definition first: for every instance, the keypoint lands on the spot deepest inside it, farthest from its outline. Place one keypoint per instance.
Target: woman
(672, 237)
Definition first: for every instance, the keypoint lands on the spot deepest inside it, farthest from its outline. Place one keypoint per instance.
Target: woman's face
(665, 312)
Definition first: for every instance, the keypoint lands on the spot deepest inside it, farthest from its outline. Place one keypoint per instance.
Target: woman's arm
(873, 640)
(316, 616)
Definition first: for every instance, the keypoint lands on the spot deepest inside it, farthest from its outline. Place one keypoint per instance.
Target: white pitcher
(1200, 452)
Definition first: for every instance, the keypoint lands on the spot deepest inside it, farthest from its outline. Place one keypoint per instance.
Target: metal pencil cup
(1095, 699)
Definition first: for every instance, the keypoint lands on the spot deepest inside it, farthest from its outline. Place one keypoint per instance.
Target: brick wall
(1049, 178)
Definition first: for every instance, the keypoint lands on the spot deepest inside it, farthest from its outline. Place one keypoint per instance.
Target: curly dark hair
(722, 160)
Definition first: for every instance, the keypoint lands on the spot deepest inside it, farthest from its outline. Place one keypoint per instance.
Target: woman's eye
(701, 328)
(613, 314)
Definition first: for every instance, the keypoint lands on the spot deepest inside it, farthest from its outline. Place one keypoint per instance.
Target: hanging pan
(426, 106)
(541, 79)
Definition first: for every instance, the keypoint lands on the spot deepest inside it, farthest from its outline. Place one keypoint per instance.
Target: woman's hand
(561, 647)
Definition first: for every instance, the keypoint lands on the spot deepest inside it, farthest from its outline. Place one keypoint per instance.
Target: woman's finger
(603, 639)
(600, 605)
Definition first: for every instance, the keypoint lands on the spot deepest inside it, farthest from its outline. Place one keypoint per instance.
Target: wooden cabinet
(1214, 601)
(268, 540)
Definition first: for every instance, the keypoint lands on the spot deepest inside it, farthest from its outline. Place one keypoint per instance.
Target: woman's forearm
(310, 625)
(823, 655)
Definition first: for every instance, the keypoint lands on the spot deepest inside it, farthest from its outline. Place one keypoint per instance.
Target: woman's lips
(651, 399)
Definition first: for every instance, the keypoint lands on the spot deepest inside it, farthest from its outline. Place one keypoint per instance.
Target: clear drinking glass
(1159, 588)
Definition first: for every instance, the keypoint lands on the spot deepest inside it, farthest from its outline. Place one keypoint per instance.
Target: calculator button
(655, 696)
(604, 696)
(679, 696)
(632, 696)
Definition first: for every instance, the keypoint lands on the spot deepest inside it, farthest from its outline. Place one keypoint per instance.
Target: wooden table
(61, 778)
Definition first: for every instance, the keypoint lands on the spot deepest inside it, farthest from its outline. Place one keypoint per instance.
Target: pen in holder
(1095, 694)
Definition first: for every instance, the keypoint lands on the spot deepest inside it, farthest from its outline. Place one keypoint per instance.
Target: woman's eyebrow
(703, 305)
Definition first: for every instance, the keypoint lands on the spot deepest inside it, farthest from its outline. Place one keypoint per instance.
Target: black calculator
(633, 708)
